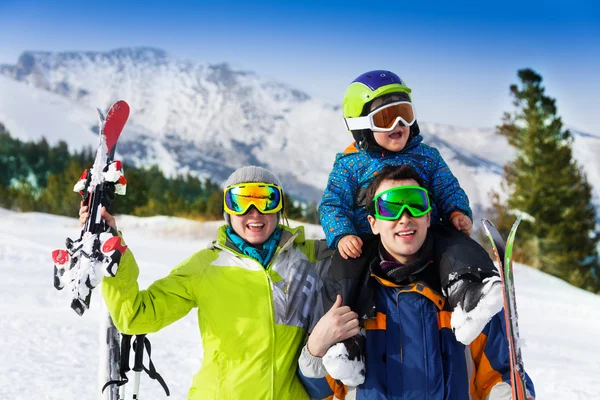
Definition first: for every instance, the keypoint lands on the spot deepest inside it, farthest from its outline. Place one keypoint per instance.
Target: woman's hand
(84, 215)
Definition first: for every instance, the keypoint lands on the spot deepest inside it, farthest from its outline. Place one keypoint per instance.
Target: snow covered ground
(48, 352)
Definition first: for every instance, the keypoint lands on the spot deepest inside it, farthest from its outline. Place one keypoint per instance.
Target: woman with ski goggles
(255, 288)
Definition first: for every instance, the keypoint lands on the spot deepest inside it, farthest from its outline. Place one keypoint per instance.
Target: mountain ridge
(209, 119)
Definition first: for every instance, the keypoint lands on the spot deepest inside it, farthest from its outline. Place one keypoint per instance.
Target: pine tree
(547, 183)
(291, 210)
(58, 196)
(214, 206)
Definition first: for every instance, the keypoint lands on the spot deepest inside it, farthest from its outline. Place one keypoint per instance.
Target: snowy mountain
(190, 116)
(50, 352)
(211, 119)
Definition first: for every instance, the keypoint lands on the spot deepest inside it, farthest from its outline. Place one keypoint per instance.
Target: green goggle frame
(391, 203)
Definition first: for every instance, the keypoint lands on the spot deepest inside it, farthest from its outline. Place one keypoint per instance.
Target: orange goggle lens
(384, 119)
(266, 197)
(387, 116)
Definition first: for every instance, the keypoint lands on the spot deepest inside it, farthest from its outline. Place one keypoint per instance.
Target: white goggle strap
(354, 124)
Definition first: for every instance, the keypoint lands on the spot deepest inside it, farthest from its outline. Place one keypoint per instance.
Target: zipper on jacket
(272, 308)
(398, 310)
(272, 312)
(265, 270)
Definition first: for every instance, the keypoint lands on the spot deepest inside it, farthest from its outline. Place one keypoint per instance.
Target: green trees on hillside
(547, 183)
(35, 176)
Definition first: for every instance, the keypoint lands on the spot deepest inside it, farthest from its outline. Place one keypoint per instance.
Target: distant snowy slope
(211, 119)
(49, 352)
(195, 116)
(30, 113)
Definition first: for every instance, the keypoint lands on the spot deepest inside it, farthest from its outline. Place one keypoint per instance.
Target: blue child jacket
(342, 210)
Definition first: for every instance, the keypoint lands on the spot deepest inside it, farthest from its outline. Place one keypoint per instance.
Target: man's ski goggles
(390, 204)
(384, 119)
(266, 197)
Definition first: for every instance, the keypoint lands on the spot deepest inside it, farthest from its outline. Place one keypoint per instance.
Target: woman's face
(255, 228)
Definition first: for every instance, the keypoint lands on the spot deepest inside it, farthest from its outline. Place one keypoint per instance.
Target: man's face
(404, 237)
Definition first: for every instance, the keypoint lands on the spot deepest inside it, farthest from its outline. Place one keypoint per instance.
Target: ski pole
(124, 367)
(138, 363)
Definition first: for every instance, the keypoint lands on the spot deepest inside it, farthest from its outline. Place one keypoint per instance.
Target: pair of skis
(96, 253)
(82, 266)
(110, 128)
(505, 266)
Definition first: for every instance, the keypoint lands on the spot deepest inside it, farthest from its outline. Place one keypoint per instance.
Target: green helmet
(369, 86)
(362, 91)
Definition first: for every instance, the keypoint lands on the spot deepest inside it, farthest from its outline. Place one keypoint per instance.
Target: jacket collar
(289, 236)
(386, 267)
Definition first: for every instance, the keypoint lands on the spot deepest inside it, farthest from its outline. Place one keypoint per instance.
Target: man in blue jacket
(411, 351)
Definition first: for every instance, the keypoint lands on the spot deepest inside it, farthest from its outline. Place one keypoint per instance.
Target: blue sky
(458, 56)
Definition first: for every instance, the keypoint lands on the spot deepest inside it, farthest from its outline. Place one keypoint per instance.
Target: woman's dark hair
(390, 173)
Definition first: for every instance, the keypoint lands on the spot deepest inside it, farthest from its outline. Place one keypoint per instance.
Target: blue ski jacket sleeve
(342, 209)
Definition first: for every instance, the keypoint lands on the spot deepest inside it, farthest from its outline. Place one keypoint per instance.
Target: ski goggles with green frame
(266, 197)
(391, 203)
(384, 119)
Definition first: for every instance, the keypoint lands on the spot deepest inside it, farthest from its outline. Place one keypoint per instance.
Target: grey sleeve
(311, 366)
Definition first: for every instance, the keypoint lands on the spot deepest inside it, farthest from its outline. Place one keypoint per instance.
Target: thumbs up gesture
(338, 324)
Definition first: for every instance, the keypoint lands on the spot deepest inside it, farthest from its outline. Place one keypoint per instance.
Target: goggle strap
(358, 123)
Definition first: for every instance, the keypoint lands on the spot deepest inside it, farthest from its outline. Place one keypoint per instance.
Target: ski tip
(121, 106)
(486, 223)
(517, 222)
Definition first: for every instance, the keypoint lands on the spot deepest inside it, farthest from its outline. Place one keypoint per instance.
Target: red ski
(78, 267)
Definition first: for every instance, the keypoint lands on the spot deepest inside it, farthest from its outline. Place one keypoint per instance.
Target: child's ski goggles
(390, 204)
(384, 119)
(266, 197)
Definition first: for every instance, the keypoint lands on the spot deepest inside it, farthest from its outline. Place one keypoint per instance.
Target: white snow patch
(339, 366)
(467, 325)
(45, 342)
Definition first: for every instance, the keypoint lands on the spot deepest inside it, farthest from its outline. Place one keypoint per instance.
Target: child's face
(396, 139)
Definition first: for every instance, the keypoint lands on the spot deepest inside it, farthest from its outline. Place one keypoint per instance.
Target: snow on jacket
(252, 319)
(342, 210)
(412, 353)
